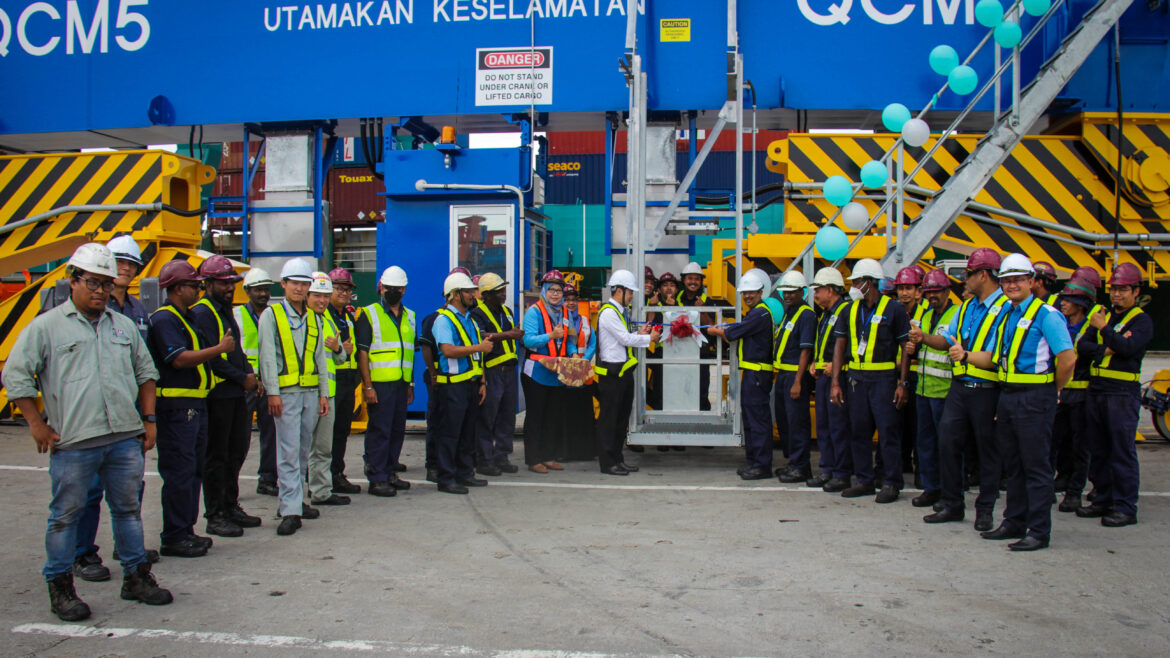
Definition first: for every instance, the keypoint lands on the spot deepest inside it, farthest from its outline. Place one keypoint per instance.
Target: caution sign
(513, 76)
(674, 29)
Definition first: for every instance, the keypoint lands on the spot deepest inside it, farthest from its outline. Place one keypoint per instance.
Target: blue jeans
(930, 412)
(87, 525)
(120, 467)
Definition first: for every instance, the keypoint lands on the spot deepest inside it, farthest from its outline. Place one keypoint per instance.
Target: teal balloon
(1037, 7)
(963, 80)
(831, 243)
(838, 190)
(989, 12)
(1008, 34)
(943, 59)
(895, 116)
(874, 174)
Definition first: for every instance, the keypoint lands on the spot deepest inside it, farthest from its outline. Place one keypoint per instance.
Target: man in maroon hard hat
(1044, 283)
(229, 422)
(348, 378)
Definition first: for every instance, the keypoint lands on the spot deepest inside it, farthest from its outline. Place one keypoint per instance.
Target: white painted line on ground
(585, 485)
(285, 642)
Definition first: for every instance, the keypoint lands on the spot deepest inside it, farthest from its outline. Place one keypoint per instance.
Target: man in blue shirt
(1034, 359)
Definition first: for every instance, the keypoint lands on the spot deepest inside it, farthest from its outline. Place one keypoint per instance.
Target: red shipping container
(584, 142)
(353, 195)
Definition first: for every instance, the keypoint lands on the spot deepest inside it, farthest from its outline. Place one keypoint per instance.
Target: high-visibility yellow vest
(508, 345)
(249, 337)
(215, 379)
(476, 369)
(1008, 368)
(391, 345)
(784, 332)
(351, 360)
(298, 369)
(934, 366)
(1075, 383)
(1052, 300)
(329, 328)
(916, 317)
(631, 360)
(755, 365)
(204, 371)
(1104, 370)
(865, 361)
(980, 343)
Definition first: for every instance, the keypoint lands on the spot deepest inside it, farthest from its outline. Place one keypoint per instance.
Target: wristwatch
(904, 384)
(149, 418)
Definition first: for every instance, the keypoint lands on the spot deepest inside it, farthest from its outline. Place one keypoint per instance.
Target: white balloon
(854, 215)
(915, 132)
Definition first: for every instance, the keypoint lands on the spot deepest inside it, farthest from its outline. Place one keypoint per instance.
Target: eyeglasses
(94, 284)
(1015, 281)
(558, 291)
(198, 285)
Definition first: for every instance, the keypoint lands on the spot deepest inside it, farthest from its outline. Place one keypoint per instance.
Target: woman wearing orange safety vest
(546, 334)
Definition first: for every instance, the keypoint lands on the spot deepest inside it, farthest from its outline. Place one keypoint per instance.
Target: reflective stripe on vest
(249, 336)
(631, 360)
(391, 345)
(215, 379)
(1083, 383)
(476, 369)
(934, 363)
(678, 299)
(553, 350)
(753, 365)
(1104, 370)
(351, 360)
(783, 332)
(298, 369)
(980, 343)
(1052, 300)
(865, 361)
(823, 341)
(1009, 361)
(204, 371)
(508, 345)
(329, 328)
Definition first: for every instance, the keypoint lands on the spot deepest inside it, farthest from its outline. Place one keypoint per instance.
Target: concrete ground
(680, 558)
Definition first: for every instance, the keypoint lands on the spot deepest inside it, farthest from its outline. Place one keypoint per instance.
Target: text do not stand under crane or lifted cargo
(513, 76)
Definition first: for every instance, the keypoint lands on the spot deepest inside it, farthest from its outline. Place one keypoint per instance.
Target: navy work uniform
(873, 336)
(833, 426)
(389, 340)
(793, 418)
(347, 383)
(132, 309)
(970, 406)
(456, 391)
(1070, 447)
(755, 353)
(248, 320)
(496, 422)
(1030, 336)
(426, 336)
(1113, 404)
(182, 421)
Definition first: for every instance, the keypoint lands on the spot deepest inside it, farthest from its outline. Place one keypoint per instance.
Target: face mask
(392, 297)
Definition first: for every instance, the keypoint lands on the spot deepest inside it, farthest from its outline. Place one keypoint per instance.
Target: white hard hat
(749, 283)
(763, 276)
(793, 280)
(828, 276)
(125, 248)
(1016, 265)
(622, 279)
(453, 282)
(393, 276)
(867, 268)
(257, 277)
(855, 294)
(692, 268)
(94, 258)
(321, 283)
(296, 269)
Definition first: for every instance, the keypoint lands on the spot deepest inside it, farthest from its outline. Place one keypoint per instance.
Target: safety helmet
(552, 276)
(457, 281)
(475, 280)
(1044, 270)
(693, 268)
(257, 277)
(321, 283)
(1084, 282)
(124, 247)
(750, 283)
(667, 276)
(918, 268)
(1126, 274)
(622, 279)
(792, 280)
(569, 289)
(459, 269)
(94, 258)
(176, 272)
(220, 268)
(394, 276)
(867, 268)
(340, 275)
(828, 276)
(1016, 265)
(983, 258)
(296, 269)
(886, 286)
(491, 281)
(650, 273)
(908, 276)
(935, 280)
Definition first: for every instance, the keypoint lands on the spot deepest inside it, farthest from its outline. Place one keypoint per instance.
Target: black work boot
(89, 567)
(140, 585)
(63, 600)
(220, 525)
(342, 485)
(238, 516)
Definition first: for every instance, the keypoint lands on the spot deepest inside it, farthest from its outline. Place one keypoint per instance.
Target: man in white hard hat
(320, 458)
(794, 384)
(496, 422)
(89, 365)
(771, 299)
(257, 284)
(385, 338)
(869, 343)
(755, 355)
(833, 427)
(293, 370)
(615, 371)
(129, 259)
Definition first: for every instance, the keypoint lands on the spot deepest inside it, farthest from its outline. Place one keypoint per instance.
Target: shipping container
(593, 141)
(353, 196)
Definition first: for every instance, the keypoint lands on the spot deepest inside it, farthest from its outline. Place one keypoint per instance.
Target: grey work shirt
(87, 375)
(272, 356)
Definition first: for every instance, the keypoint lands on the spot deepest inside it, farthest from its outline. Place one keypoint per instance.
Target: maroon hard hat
(984, 259)
(1044, 270)
(219, 268)
(340, 275)
(570, 290)
(650, 273)
(175, 272)
(1086, 277)
(475, 279)
(908, 276)
(1126, 274)
(553, 276)
(667, 276)
(918, 268)
(935, 280)
(459, 269)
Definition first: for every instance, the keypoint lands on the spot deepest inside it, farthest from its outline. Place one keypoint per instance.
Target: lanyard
(289, 313)
(865, 320)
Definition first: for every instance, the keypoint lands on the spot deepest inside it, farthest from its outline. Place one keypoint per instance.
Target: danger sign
(513, 76)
